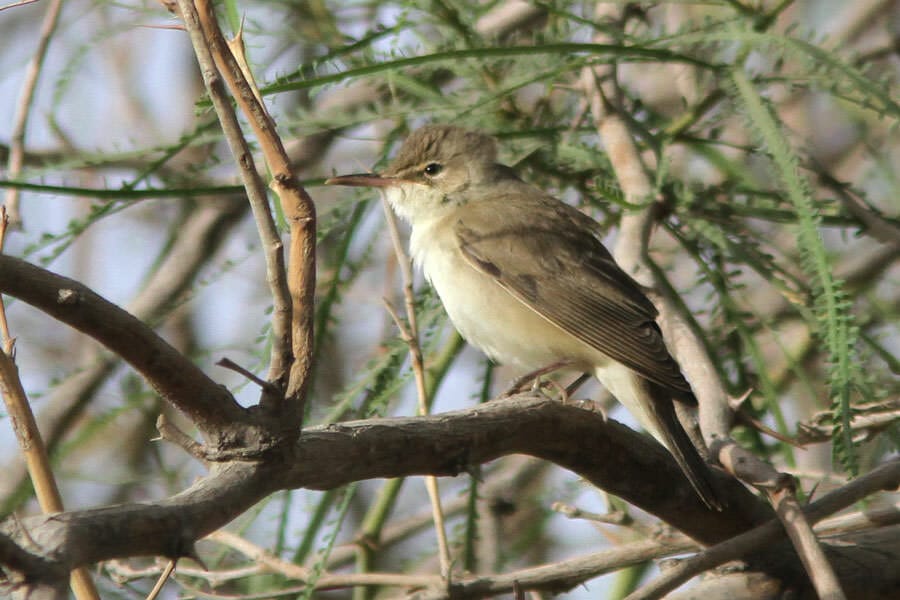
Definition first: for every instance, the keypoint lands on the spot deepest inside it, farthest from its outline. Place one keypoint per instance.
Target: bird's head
(432, 171)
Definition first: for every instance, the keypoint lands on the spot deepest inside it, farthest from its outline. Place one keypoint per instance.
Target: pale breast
(485, 314)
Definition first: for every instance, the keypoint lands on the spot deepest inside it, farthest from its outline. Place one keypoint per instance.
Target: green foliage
(342, 506)
(788, 282)
(830, 303)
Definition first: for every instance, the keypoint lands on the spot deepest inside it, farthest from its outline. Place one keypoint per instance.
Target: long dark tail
(661, 409)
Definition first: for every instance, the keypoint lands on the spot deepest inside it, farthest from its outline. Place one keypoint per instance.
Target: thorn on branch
(405, 333)
(170, 433)
(267, 386)
(194, 556)
(746, 419)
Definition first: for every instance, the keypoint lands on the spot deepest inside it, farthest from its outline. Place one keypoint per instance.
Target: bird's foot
(560, 393)
(532, 379)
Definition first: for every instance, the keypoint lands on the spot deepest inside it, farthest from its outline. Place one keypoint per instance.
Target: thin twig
(868, 419)
(780, 490)
(29, 436)
(804, 539)
(418, 367)
(163, 578)
(23, 109)
(565, 574)
(123, 572)
(229, 364)
(332, 582)
(327, 580)
(5, 336)
(619, 517)
(300, 213)
(879, 228)
(869, 518)
(884, 477)
(171, 433)
(256, 194)
(15, 4)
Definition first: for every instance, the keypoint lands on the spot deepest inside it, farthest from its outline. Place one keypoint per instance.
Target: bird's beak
(363, 180)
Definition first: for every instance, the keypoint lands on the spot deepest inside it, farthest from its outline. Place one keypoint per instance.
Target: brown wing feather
(546, 258)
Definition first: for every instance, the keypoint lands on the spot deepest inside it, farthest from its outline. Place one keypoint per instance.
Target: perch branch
(444, 444)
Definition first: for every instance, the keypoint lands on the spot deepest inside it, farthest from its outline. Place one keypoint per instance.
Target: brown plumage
(525, 278)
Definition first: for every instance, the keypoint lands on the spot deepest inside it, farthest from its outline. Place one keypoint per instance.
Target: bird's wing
(545, 256)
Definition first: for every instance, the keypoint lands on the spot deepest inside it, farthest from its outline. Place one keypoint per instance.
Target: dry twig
(885, 477)
(23, 109)
(411, 337)
(29, 436)
(295, 328)
(256, 193)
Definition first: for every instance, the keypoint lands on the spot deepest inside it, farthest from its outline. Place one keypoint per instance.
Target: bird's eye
(432, 169)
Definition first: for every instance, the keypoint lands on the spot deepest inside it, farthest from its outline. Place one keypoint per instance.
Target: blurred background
(780, 232)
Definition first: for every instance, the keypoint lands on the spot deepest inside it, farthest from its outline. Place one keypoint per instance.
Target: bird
(525, 278)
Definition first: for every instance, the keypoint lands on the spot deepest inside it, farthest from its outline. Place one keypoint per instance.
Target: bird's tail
(653, 406)
(680, 445)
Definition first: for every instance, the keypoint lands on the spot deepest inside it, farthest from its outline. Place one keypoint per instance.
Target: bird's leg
(533, 377)
(565, 393)
(575, 385)
(563, 396)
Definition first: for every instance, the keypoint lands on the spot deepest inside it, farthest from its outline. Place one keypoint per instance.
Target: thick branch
(201, 235)
(177, 379)
(606, 453)
(167, 528)
(609, 454)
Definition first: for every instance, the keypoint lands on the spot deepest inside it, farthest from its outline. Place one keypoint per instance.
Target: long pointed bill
(363, 180)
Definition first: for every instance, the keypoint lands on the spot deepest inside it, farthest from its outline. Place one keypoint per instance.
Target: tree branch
(300, 213)
(280, 357)
(177, 379)
(443, 444)
(885, 477)
(448, 443)
(201, 233)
